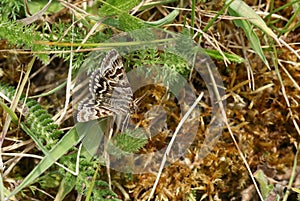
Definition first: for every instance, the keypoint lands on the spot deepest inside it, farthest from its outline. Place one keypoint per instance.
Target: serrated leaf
(131, 141)
(22, 36)
(129, 23)
(117, 7)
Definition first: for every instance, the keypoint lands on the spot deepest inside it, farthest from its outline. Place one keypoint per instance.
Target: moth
(110, 93)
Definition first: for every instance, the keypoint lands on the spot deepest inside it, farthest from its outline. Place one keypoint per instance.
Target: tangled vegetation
(46, 45)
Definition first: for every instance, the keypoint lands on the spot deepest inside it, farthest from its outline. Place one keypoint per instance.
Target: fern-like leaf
(37, 119)
(22, 36)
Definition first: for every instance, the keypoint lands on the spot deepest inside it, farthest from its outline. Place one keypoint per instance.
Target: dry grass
(263, 108)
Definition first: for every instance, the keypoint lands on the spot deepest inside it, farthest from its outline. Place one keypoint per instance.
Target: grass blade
(66, 143)
(251, 35)
(243, 10)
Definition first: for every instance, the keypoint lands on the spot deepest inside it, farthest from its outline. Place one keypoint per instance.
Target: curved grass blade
(216, 55)
(62, 85)
(166, 20)
(251, 35)
(9, 111)
(62, 147)
(243, 10)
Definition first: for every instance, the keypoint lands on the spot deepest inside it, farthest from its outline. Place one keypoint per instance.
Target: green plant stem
(292, 175)
(193, 16)
(211, 22)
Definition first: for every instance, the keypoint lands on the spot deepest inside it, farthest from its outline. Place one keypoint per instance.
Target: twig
(221, 106)
(36, 16)
(163, 162)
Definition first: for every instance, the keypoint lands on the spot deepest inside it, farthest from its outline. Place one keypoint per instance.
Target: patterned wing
(110, 86)
(111, 94)
(86, 110)
(105, 78)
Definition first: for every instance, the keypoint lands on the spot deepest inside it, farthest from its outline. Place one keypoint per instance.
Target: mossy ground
(263, 111)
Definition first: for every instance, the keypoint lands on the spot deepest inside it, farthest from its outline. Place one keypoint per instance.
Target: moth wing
(112, 61)
(108, 75)
(86, 110)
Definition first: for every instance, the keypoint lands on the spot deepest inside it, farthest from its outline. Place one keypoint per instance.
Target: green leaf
(23, 36)
(39, 124)
(62, 147)
(93, 132)
(11, 113)
(248, 28)
(166, 20)
(36, 6)
(117, 7)
(243, 10)
(65, 188)
(128, 22)
(131, 140)
(52, 91)
(216, 55)
(263, 183)
(297, 190)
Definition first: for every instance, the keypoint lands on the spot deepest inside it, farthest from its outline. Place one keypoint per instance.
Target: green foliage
(217, 55)
(37, 119)
(251, 35)
(165, 66)
(11, 9)
(116, 7)
(101, 191)
(131, 140)
(128, 23)
(36, 6)
(83, 181)
(125, 22)
(265, 187)
(120, 8)
(184, 45)
(22, 36)
(49, 180)
(175, 63)
(58, 33)
(27, 37)
(66, 143)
